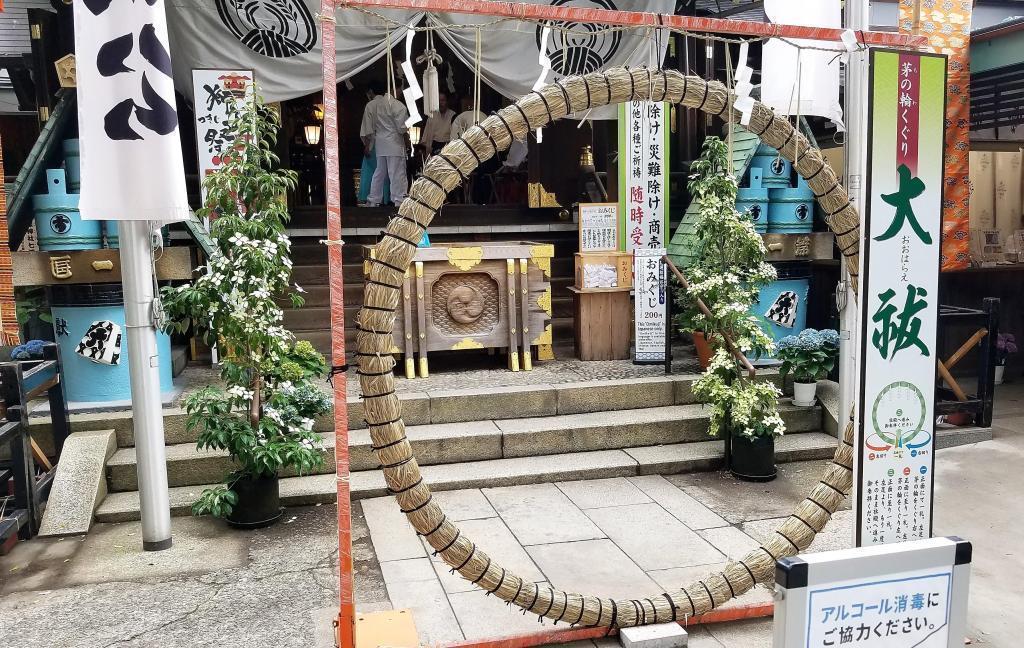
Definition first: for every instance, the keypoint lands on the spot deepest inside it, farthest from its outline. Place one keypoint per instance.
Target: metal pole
(857, 18)
(144, 368)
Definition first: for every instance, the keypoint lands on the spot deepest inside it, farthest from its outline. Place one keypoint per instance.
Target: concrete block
(952, 437)
(460, 405)
(599, 493)
(80, 483)
(596, 567)
(800, 419)
(605, 395)
(391, 533)
(541, 514)
(684, 507)
(684, 389)
(662, 635)
(653, 538)
(677, 458)
(828, 396)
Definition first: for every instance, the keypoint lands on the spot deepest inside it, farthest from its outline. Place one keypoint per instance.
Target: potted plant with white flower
(729, 270)
(808, 357)
(264, 417)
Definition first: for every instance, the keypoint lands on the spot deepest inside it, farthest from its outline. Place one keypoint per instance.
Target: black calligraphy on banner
(114, 57)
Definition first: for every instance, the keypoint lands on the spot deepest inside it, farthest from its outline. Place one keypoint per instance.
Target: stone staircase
(486, 437)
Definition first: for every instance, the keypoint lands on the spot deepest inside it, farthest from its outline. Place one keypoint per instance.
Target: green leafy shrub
(264, 417)
(809, 356)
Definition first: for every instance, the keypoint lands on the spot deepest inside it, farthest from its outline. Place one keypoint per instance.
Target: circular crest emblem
(60, 224)
(274, 28)
(582, 47)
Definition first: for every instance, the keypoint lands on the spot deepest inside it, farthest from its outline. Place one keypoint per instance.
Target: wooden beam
(574, 14)
(92, 266)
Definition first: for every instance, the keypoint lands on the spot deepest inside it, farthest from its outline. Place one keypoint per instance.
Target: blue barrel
(753, 201)
(58, 224)
(791, 211)
(782, 305)
(73, 165)
(75, 308)
(776, 171)
(110, 231)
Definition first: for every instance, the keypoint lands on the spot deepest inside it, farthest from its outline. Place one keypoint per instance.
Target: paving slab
(683, 506)
(541, 514)
(410, 570)
(392, 536)
(837, 534)
(80, 483)
(594, 567)
(729, 540)
(739, 501)
(495, 539)
(597, 493)
(752, 633)
(468, 504)
(600, 396)
(652, 537)
(481, 616)
(680, 577)
(431, 611)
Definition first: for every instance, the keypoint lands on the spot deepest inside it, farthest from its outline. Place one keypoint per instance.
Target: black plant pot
(259, 503)
(753, 459)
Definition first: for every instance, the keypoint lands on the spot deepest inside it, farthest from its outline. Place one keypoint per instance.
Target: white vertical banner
(643, 174)
(132, 165)
(650, 305)
(213, 92)
(900, 284)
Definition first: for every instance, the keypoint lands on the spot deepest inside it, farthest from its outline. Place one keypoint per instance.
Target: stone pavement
(278, 587)
(621, 537)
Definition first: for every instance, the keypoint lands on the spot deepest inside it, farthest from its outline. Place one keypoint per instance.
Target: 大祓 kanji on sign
(903, 226)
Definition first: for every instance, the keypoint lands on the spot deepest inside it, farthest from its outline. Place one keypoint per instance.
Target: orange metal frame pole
(539, 12)
(346, 590)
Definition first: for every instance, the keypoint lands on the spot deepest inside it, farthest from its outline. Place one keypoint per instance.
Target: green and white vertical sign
(900, 284)
(643, 175)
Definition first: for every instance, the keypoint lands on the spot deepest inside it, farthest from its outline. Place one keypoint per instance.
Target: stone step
(440, 406)
(479, 441)
(315, 489)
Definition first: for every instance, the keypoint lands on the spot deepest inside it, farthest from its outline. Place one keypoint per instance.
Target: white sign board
(650, 305)
(907, 595)
(643, 174)
(212, 92)
(599, 227)
(900, 291)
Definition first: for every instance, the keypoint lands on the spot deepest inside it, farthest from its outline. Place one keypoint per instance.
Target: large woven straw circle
(383, 411)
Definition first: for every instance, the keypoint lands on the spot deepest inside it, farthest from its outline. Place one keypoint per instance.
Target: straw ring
(717, 588)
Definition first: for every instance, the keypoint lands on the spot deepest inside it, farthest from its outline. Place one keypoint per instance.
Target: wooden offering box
(475, 296)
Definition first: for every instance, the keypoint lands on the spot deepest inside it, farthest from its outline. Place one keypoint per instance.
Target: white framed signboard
(599, 227)
(650, 305)
(900, 289)
(906, 595)
(212, 92)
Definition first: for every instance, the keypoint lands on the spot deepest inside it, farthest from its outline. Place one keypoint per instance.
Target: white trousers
(389, 167)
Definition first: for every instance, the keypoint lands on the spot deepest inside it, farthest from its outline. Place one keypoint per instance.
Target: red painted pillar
(346, 593)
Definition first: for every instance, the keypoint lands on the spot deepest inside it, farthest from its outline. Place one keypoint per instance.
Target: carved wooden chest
(475, 296)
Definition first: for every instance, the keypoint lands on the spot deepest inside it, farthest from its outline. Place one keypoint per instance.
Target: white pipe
(855, 167)
(136, 239)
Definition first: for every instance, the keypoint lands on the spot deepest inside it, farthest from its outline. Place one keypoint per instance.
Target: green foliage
(727, 273)
(738, 405)
(729, 268)
(264, 418)
(809, 356)
(29, 303)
